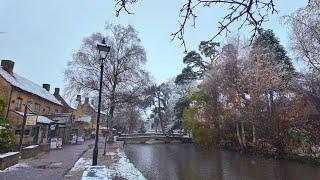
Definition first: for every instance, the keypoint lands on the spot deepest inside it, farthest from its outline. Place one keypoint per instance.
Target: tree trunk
(160, 114)
(105, 145)
(243, 135)
(253, 134)
(238, 135)
(217, 125)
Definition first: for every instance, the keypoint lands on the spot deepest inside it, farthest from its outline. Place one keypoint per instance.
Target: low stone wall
(30, 151)
(8, 159)
(45, 147)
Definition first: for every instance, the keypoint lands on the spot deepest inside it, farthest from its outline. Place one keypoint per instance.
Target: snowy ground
(15, 167)
(124, 168)
(121, 167)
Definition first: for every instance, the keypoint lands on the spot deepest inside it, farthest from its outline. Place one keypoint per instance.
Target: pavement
(53, 165)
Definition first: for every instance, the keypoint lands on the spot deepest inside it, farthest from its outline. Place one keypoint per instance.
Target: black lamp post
(103, 52)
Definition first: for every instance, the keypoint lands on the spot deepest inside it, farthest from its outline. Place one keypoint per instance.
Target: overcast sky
(42, 35)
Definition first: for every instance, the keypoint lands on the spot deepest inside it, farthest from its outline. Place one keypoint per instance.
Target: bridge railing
(151, 134)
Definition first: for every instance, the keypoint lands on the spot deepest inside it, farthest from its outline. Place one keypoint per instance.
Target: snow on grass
(81, 164)
(15, 167)
(121, 168)
(124, 168)
(95, 172)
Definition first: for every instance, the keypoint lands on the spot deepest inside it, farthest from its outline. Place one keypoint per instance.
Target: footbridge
(146, 138)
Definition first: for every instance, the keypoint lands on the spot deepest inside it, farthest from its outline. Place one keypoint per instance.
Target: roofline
(15, 87)
(30, 92)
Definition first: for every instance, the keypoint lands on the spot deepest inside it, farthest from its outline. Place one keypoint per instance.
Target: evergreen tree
(270, 54)
(197, 63)
(267, 48)
(5, 130)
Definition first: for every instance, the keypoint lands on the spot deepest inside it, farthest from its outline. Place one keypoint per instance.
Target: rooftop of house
(28, 86)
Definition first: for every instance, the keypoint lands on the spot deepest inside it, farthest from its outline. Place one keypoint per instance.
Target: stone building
(17, 92)
(86, 117)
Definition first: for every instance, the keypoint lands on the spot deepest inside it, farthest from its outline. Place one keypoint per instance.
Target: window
(36, 107)
(18, 132)
(29, 104)
(46, 110)
(18, 104)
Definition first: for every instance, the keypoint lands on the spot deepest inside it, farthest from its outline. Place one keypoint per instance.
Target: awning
(44, 120)
(40, 119)
(84, 118)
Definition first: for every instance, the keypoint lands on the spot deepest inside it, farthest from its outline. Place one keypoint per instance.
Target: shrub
(5, 130)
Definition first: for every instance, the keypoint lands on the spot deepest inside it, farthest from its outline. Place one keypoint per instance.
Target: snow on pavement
(15, 167)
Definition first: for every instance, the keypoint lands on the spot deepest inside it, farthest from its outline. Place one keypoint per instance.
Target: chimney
(86, 100)
(56, 91)
(7, 65)
(46, 86)
(79, 98)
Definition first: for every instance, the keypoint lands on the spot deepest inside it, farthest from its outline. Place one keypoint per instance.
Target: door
(35, 134)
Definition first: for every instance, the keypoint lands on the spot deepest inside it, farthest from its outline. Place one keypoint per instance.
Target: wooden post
(22, 129)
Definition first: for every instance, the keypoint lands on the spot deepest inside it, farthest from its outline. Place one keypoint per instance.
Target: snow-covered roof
(44, 120)
(28, 86)
(96, 110)
(84, 118)
(61, 120)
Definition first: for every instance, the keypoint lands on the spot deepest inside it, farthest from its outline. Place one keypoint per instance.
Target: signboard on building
(31, 120)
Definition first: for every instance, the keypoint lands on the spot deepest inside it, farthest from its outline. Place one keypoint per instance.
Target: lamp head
(103, 48)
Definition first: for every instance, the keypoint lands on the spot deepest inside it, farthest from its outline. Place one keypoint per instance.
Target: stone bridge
(144, 138)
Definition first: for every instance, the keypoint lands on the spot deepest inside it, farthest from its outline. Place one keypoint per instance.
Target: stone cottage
(18, 92)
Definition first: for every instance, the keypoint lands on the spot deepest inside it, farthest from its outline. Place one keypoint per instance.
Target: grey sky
(42, 35)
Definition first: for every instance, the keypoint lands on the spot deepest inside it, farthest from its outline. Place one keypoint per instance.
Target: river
(187, 162)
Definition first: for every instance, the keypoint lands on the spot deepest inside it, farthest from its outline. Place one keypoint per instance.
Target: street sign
(31, 120)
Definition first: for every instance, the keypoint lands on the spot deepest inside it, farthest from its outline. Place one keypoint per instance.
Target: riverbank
(116, 162)
(268, 151)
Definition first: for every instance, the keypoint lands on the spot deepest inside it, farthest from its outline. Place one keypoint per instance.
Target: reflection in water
(185, 161)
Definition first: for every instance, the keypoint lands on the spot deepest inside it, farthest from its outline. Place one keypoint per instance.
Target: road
(47, 166)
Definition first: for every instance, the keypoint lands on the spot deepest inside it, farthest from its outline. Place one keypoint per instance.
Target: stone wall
(8, 159)
(5, 90)
(28, 97)
(30, 151)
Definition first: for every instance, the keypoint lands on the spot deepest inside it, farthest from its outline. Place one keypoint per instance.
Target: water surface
(187, 162)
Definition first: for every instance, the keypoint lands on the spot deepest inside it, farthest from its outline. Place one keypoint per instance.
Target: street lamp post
(103, 52)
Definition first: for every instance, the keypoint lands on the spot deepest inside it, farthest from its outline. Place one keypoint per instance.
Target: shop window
(29, 104)
(46, 110)
(18, 132)
(18, 104)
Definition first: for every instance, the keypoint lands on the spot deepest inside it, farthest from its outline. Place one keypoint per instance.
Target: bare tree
(124, 76)
(251, 13)
(305, 33)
